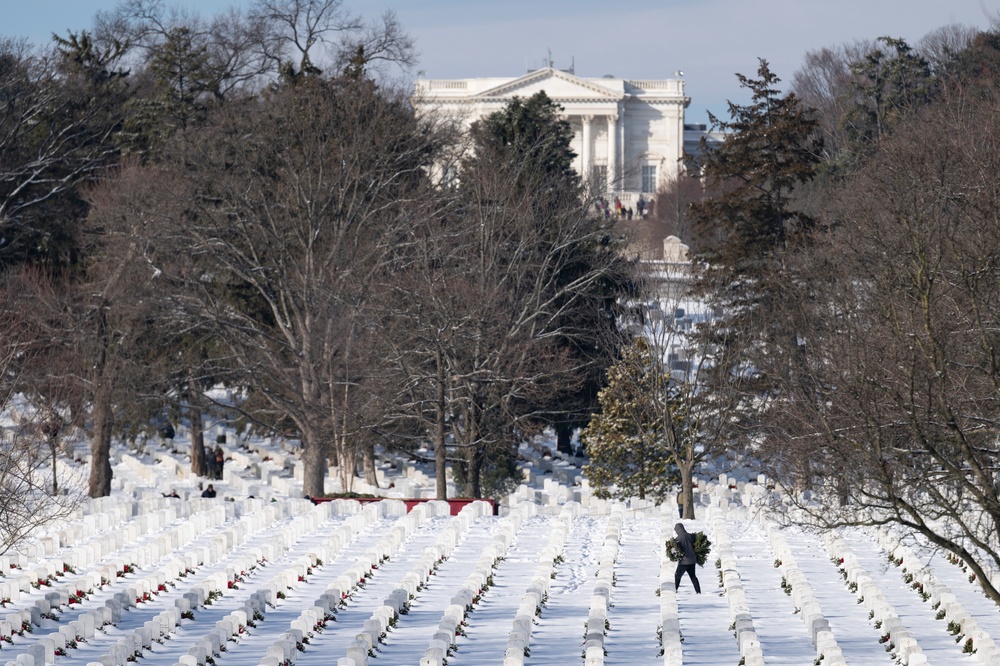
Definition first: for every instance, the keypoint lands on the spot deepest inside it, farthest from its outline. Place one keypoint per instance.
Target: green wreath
(702, 546)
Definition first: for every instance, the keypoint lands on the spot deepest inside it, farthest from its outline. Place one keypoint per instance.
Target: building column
(612, 153)
(585, 156)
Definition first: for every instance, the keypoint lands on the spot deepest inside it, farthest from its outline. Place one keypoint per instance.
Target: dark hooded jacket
(686, 543)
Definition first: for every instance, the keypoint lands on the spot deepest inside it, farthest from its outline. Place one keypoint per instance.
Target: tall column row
(587, 152)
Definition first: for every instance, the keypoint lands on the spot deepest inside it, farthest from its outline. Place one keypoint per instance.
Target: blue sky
(708, 40)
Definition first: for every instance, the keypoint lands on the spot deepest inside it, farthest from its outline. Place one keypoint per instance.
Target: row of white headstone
(223, 540)
(238, 560)
(732, 584)
(376, 627)
(535, 595)
(284, 647)
(905, 646)
(802, 594)
(670, 624)
(757, 496)
(597, 615)
(107, 561)
(874, 600)
(940, 595)
(475, 584)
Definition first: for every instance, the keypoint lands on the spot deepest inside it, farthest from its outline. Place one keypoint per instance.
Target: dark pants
(689, 568)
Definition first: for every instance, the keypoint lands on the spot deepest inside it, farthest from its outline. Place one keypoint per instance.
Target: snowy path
(560, 628)
(490, 621)
(414, 630)
(705, 617)
(856, 635)
(919, 617)
(635, 616)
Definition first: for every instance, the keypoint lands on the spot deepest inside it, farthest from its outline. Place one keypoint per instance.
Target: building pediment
(558, 85)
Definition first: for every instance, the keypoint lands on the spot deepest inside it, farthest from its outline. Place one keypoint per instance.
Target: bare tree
(825, 83)
(892, 418)
(942, 45)
(298, 197)
(113, 315)
(671, 213)
(36, 403)
(307, 36)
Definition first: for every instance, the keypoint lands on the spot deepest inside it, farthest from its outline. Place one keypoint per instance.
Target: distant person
(172, 493)
(680, 503)
(688, 559)
(210, 492)
(220, 460)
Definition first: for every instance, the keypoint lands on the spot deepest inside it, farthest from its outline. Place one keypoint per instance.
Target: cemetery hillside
(301, 366)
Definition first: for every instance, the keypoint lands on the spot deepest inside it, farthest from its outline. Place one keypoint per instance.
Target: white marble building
(629, 136)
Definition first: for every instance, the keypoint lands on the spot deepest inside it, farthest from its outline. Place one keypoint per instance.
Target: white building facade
(629, 136)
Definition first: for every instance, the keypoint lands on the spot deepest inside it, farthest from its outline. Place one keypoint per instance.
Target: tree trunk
(469, 487)
(368, 464)
(100, 446)
(473, 468)
(198, 465)
(313, 465)
(473, 454)
(687, 489)
(345, 464)
(54, 448)
(440, 452)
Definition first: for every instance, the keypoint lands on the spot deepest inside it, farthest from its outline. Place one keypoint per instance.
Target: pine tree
(889, 84)
(742, 230)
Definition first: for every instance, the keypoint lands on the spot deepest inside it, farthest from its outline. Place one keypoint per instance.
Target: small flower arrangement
(702, 546)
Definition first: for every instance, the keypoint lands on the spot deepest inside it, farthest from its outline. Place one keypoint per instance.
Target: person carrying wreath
(688, 558)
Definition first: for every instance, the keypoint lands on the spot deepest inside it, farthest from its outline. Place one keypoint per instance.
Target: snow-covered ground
(557, 578)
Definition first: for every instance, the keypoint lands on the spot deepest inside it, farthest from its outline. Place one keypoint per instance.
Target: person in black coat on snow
(688, 559)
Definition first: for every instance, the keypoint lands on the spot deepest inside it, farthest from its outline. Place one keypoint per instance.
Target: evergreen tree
(182, 90)
(631, 442)
(888, 84)
(749, 221)
(59, 120)
(530, 139)
(745, 230)
(572, 275)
